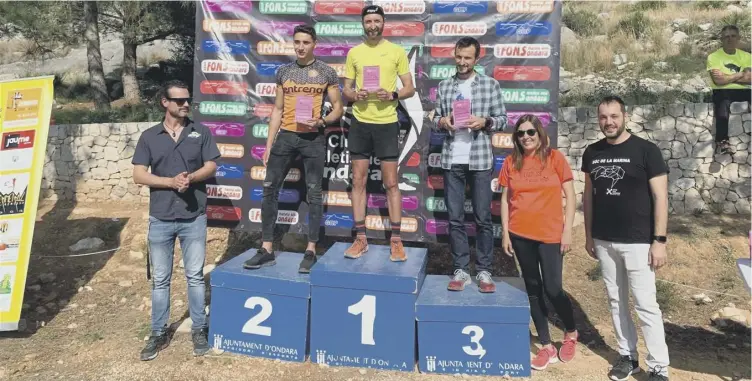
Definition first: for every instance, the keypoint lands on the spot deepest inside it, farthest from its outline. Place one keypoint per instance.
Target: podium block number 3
(367, 308)
(253, 325)
(475, 333)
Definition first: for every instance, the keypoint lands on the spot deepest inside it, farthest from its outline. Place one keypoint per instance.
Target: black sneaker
(655, 374)
(261, 259)
(623, 368)
(309, 259)
(155, 344)
(200, 342)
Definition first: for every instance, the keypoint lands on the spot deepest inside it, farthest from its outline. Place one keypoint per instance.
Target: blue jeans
(455, 180)
(161, 237)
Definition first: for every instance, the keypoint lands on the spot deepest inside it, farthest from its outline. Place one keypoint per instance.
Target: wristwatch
(395, 96)
(660, 238)
(489, 122)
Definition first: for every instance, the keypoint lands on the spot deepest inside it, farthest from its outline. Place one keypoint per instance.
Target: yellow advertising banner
(25, 108)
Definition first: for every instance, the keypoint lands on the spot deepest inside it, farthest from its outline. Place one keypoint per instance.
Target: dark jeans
(722, 99)
(311, 146)
(533, 255)
(455, 181)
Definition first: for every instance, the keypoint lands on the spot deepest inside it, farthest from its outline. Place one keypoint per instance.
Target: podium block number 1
(253, 325)
(367, 308)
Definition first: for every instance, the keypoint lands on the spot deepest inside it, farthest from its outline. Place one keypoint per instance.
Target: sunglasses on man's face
(180, 101)
(521, 133)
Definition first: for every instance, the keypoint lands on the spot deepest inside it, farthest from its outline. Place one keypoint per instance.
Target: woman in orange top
(536, 231)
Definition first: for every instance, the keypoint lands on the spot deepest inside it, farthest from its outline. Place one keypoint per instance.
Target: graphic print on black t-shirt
(622, 199)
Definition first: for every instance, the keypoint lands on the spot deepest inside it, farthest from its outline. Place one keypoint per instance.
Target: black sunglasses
(180, 101)
(521, 133)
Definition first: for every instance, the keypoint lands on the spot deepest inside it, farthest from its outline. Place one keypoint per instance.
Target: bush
(705, 4)
(125, 114)
(649, 5)
(667, 296)
(581, 21)
(635, 24)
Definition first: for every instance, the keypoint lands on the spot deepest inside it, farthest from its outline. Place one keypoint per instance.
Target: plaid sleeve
(439, 110)
(498, 110)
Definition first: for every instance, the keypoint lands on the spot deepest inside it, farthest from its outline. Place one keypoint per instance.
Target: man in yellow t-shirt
(373, 67)
(730, 70)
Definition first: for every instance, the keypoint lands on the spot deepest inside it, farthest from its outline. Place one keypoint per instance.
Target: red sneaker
(545, 356)
(568, 347)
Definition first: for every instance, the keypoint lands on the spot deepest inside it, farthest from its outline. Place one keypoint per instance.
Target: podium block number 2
(367, 308)
(253, 325)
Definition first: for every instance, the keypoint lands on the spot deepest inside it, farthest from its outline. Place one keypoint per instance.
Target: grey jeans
(625, 267)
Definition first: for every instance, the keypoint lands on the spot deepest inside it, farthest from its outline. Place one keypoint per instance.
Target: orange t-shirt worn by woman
(535, 202)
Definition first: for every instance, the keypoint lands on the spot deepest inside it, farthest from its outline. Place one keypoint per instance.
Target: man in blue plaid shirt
(467, 157)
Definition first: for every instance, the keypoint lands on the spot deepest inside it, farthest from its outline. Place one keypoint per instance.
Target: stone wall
(92, 162)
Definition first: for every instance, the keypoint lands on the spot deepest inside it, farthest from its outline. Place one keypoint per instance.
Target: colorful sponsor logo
(447, 51)
(404, 29)
(227, 171)
(232, 151)
(223, 87)
(502, 140)
(222, 108)
(339, 68)
(436, 182)
(438, 204)
(223, 213)
(534, 96)
(18, 140)
(259, 173)
(280, 7)
(407, 225)
(339, 28)
(522, 73)
(434, 160)
(227, 26)
(523, 28)
(286, 217)
(270, 48)
(441, 227)
(337, 7)
(414, 160)
(499, 162)
(337, 220)
(266, 89)
(496, 208)
(411, 178)
(522, 50)
(224, 67)
(437, 138)
(514, 116)
(257, 152)
(277, 28)
(335, 198)
(238, 6)
(226, 47)
(461, 7)
(406, 7)
(379, 201)
(225, 128)
(332, 50)
(268, 69)
(263, 110)
(525, 6)
(225, 192)
(447, 71)
(467, 28)
(288, 196)
(260, 131)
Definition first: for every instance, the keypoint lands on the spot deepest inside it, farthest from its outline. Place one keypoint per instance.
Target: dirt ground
(86, 317)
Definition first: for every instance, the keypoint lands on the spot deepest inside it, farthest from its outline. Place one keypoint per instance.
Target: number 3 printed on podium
(367, 308)
(475, 333)
(253, 326)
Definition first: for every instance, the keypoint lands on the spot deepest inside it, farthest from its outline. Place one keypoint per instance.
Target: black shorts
(380, 139)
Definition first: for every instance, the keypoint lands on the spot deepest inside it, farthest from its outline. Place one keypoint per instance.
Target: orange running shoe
(358, 248)
(398, 251)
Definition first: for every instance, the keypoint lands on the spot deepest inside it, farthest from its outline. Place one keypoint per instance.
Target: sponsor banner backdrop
(25, 107)
(240, 44)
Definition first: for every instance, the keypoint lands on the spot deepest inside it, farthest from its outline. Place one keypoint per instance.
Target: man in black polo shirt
(181, 155)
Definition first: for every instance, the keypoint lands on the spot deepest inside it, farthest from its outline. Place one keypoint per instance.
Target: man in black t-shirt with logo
(626, 213)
